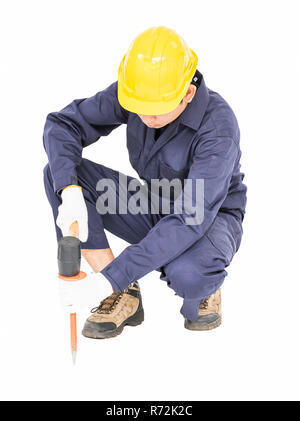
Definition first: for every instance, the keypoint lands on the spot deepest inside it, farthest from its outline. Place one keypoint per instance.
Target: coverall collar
(192, 117)
(193, 114)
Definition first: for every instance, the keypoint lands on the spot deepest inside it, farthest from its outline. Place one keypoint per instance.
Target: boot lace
(204, 304)
(107, 305)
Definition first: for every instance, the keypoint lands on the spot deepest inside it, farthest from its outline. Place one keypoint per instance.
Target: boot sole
(134, 320)
(205, 326)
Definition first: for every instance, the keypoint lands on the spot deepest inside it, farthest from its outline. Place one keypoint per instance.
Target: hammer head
(68, 256)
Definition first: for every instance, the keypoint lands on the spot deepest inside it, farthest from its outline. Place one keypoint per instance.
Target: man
(177, 129)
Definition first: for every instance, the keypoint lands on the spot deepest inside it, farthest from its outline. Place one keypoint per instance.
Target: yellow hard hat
(156, 72)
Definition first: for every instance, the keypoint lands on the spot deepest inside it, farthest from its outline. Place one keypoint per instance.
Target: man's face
(161, 120)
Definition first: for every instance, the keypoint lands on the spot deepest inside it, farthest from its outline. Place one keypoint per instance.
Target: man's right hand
(73, 208)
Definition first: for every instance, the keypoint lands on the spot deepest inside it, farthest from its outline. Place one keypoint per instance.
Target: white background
(55, 51)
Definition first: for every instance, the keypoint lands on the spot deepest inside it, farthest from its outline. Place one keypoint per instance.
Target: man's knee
(183, 277)
(47, 176)
(91, 172)
(195, 274)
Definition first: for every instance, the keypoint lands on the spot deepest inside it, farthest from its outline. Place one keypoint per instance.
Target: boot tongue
(134, 284)
(108, 304)
(204, 304)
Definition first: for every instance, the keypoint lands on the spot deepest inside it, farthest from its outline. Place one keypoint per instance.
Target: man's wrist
(72, 185)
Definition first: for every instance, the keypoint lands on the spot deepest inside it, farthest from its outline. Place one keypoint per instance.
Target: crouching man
(177, 129)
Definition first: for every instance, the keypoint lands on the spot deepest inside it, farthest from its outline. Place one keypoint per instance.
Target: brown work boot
(209, 315)
(115, 312)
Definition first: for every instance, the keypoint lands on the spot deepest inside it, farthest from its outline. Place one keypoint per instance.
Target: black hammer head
(68, 256)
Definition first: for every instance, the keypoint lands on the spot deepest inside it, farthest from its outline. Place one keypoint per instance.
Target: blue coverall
(202, 143)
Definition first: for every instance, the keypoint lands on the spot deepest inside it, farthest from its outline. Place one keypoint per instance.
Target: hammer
(69, 258)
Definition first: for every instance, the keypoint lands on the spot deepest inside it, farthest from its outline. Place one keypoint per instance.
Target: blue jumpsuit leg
(200, 270)
(131, 228)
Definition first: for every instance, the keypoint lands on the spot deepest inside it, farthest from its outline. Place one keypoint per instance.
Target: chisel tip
(74, 353)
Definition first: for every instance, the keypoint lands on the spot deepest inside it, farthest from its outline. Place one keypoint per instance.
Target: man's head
(155, 76)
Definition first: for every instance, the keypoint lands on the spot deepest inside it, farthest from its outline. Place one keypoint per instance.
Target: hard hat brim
(147, 108)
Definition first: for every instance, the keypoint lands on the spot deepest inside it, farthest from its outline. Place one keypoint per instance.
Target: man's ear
(190, 93)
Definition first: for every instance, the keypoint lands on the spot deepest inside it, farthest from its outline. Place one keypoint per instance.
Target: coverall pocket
(225, 237)
(165, 171)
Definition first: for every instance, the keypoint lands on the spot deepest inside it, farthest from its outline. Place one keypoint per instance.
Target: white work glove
(87, 292)
(73, 208)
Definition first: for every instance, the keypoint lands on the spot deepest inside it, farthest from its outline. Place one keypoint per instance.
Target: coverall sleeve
(76, 126)
(214, 161)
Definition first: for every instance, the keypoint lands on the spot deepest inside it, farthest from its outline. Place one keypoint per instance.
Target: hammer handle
(74, 229)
